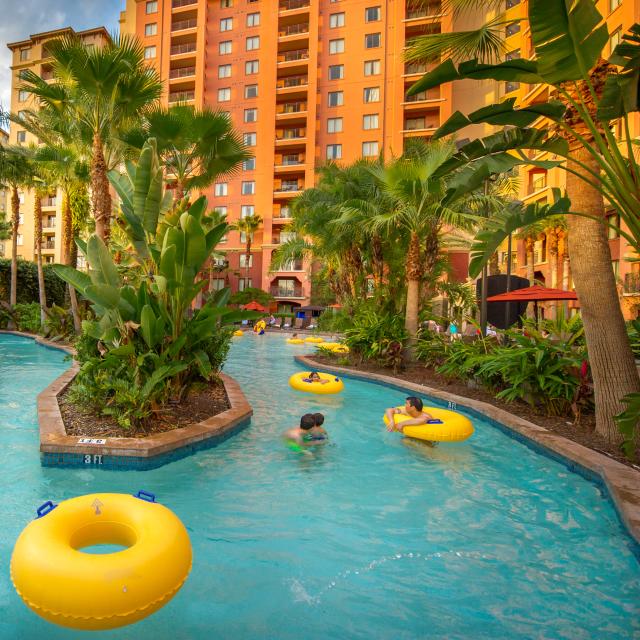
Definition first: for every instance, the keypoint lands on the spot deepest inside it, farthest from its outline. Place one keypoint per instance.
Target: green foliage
(633, 329)
(250, 294)
(58, 323)
(334, 321)
(628, 422)
(26, 317)
(28, 282)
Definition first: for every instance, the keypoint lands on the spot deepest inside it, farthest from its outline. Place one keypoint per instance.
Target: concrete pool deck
(621, 481)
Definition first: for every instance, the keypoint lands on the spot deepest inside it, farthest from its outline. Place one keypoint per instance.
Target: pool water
(371, 537)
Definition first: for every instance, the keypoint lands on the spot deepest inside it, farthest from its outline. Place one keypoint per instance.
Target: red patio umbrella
(255, 306)
(534, 294)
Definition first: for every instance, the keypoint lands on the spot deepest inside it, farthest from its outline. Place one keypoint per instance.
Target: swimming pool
(373, 537)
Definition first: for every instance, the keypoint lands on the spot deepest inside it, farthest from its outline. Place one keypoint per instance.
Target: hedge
(28, 283)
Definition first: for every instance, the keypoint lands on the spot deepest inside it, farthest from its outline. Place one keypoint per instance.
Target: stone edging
(54, 441)
(622, 482)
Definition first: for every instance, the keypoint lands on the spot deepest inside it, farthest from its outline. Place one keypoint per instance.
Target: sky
(20, 18)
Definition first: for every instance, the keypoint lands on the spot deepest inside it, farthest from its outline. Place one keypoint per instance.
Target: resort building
(31, 54)
(305, 81)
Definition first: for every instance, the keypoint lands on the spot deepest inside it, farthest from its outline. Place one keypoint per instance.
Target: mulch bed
(199, 405)
(582, 433)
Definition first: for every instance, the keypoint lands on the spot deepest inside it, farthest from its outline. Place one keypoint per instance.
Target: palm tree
(248, 225)
(196, 147)
(40, 191)
(96, 94)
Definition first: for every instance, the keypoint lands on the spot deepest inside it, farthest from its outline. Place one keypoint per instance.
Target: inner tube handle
(145, 495)
(45, 508)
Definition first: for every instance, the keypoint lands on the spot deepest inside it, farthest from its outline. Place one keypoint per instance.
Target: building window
(370, 121)
(370, 149)
(224, 71)
(253, 19)
(251, 91)
(614, 4)
(250, 115)
(152, 7)
(511, 86)
(216, 284)
(149, 52)
(334, 151)
(221, 210)
(513, 55)
(251, 67)
(372, 14)
(243, 261)
(221, 189)
(151, 29)
(248, 188)
(512, 28)
(511, 3)
(25, 54)
(336, 72)
(226, 24)
(225, 47)
(336, 46)
(372, 68)
(244, 283)
(615, 38)
(372, 94)
(21, 215)
(334, 125)
(253, 43)
(372, 40)
(336, 98)
(250, 139)
(21, 136)
(613, 232)
(224, 95)
(23, 95)
(336, 20)
(249, 164)
(247, 210)
(19, 239)
(226, 4)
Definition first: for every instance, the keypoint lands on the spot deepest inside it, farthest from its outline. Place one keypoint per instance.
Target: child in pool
(413, 409)
(318, 434)
(314, 376)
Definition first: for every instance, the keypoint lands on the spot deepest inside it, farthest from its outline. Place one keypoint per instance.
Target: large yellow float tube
(238, 333)
(300, 382)
(295, 341)
(314, 339)
(259, 327)
(64, 585)
(453, 427)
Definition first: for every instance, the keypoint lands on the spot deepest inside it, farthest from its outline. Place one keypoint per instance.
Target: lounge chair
(287, 323)
(298, 323)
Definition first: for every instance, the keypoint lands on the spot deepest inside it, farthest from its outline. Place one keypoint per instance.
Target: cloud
(22, 18)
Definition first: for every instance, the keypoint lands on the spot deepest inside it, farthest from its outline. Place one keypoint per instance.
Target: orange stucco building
(305, 81)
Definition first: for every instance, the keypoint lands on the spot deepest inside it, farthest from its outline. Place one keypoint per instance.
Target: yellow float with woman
(65, 585)
(316, 382)
(447, 426)
(259, 327)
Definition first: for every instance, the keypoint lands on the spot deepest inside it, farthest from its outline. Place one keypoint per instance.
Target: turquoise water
(372, 537)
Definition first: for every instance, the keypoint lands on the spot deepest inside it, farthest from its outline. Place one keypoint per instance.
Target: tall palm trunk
(15, 221)
(377, 258)
(414, 272)
(431, 255)
(529, 244)
(612, 364)
(68, 256)
(100, 195)
(552, 241)
(37, 247)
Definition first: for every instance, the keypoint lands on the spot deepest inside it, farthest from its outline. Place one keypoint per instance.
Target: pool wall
(621, 482)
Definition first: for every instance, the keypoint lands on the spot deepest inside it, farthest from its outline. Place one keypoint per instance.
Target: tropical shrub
(26, 317)
(250, 294)
(147, 346)
(334, 321)
(633, 329)
(628, 421)
(27, 290)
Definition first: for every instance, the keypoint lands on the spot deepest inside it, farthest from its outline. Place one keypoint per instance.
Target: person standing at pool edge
(413, 409)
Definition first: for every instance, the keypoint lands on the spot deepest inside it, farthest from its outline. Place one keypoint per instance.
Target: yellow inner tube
(261, 325)
(314, 339)
(64, 585)
(454, 426)
(295, 341)
(333, 385)
(238, 333)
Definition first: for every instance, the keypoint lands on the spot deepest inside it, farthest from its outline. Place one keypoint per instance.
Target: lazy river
(371, 537)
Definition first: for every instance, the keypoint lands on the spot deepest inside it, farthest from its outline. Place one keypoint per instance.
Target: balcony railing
(286, 292)
(292, 56)
(294, 265)
(432, 9)
(294, 29)
(284, 213)
(290, 161)
(632, 283)
(188, 47)
(175, 4)
(288, 186)
(292, 81)
(49, 244)
(50, 223)
(49, 201)
(179, 25)
(182, 72)
(290, 134)
(182, 96)
(537, 183)
(291, 107)
(289, 5)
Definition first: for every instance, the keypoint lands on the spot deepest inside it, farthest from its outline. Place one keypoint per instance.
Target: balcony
(49, 201)
(282, 213)
(292, 81)
(182, 72)
(181, 25)
(291, 107)
(48, 245)
(287, 292)
(537, 182)
(290, 134)
(47, 75)
(176, 4)
(294, 56)
(415, 68)
(291, 5)
(423, 96)
(49, 225)
(302, 28)
(429, 11)
(293, 265)
(631, 283)
(179, 49)
(288, 186)
(182, 96)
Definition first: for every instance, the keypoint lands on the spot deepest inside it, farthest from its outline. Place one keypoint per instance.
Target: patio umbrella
(255, 306)
(534, 294)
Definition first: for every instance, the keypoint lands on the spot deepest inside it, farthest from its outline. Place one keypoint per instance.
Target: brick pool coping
(621, 482)
(59, 449)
